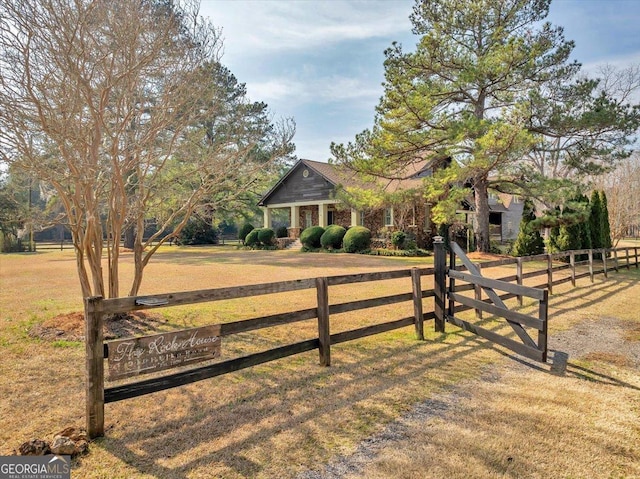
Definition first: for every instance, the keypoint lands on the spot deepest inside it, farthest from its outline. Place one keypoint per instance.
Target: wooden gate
(494, 305)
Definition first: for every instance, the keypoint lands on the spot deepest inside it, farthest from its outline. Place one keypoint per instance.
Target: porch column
(267, 217)
(322, 215)
(295, 217)
(354, 217)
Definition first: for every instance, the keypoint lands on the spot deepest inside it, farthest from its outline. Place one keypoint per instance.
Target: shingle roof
(409, 178)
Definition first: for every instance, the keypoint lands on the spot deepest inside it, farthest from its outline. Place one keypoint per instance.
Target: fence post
(615, 259)
(417, 303)
(94, 352)
(636, 256)
(550, 273)
(543, 314)
(604, 262)
(591, 265)
(519, 277)
(440, 282)
(324, 337)
(572, 262)
(478, 292)
(451, 308)
(626, 251)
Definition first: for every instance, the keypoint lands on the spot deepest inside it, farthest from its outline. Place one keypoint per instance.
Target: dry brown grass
(528, 424)
(268, 421)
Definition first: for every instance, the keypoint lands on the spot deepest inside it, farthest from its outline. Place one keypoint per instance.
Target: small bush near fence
(11, 244)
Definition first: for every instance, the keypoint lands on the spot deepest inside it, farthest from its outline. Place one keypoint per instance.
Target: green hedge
(244, 231)
(332, 237)
(357, 238)
(266, 236)
(310, 237)
(252, 238)
(398, 238)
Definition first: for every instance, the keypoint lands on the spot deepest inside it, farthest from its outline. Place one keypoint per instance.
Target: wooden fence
(97, 351)
(96, 308)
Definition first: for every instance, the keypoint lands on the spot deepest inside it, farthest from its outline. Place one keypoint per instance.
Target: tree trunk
(482, 232)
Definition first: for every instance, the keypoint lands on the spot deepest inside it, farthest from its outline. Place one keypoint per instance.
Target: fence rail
(97, 308)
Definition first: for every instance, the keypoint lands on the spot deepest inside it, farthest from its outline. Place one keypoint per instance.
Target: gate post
(439, 282)
(94, 381)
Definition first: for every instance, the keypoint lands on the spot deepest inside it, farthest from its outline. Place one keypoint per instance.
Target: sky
(320, 62)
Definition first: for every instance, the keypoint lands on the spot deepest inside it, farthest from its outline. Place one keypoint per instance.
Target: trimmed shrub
(244, 231)
(398, 238)
(282, 232)
(332, 237)
(266, 236)
(252, 238)
(357, 238)
(198, 231)
(310, 237)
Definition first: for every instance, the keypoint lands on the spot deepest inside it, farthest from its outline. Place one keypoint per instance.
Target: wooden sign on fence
(148, 354)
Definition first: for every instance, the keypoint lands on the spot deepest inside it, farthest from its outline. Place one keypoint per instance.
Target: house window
(308, 219)
(413, 213)
(361, 218)
(388, 217)
(331, 217)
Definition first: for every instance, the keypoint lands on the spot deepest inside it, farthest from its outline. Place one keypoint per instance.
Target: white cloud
(314, 89)
(271, 25)
(617, 61)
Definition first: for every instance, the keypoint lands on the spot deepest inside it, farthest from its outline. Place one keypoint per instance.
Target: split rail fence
(445, 309)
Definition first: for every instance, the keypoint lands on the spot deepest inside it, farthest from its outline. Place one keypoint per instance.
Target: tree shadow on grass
(296, 409)
(294, 259)
(243, 436)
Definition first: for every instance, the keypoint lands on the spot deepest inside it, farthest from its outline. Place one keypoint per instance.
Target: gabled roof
(327, 171)
(410, 177)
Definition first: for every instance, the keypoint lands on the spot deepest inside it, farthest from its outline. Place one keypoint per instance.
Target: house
(309, 191)
(505, 213)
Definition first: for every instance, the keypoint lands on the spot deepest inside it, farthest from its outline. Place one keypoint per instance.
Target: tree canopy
(125, 110)
(490, 84)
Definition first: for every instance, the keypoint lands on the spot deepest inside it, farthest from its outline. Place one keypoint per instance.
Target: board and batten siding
(300, 189)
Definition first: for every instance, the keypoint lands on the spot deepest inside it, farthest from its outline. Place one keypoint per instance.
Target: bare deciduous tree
(622, 187)
(111, 103)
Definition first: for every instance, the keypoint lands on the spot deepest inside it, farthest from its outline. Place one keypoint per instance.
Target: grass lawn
(281, 418)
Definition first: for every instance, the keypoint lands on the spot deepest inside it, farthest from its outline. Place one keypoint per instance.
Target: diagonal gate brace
(522, 334)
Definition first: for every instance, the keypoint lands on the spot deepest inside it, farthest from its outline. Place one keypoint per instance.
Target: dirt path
(602, 340)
